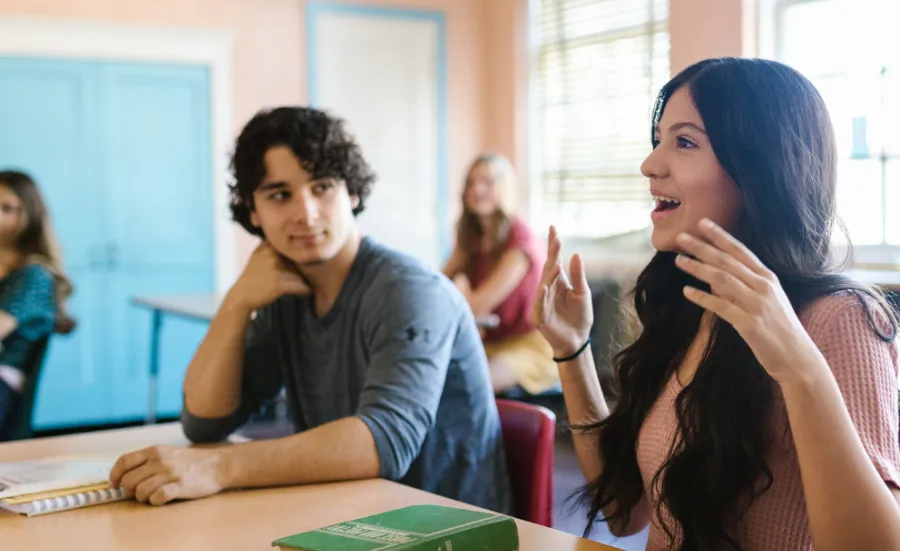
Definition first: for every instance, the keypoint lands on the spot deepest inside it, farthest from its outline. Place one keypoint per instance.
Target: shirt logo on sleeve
(413, 334)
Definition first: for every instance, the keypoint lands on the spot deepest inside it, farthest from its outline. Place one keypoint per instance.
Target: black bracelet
(576, 354)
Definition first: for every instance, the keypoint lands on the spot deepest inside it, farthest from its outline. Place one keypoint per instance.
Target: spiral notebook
(44, 486)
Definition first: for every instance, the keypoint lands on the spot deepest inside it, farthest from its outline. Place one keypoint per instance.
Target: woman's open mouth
(664, 207)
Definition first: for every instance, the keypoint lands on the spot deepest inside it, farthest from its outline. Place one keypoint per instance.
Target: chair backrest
(528, 438)
(18, 425)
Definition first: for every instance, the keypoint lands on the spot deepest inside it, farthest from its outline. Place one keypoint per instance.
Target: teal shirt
(27, 295)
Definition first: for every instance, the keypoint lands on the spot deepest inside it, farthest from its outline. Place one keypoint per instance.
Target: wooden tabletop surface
(243, 520)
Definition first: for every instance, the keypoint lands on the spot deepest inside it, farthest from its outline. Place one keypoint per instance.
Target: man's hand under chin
(160, 474)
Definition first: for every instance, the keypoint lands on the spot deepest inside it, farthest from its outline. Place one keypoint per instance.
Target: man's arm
(233, 368)
(414, 324)
(339, 450)
(410, 330)
(212, 383)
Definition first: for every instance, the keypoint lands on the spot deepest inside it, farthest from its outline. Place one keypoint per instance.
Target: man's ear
(354, 201)
(254, 218)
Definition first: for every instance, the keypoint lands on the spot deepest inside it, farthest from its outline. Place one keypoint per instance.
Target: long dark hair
(772, 135)
(37, 244)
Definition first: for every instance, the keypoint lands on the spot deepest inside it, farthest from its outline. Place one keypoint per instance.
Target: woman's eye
(685, 143)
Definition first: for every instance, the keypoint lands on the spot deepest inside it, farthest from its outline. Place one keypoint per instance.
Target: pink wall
(506, 85)
(699, 29)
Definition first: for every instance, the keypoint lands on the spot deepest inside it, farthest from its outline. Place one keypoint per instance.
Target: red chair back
(528, 438)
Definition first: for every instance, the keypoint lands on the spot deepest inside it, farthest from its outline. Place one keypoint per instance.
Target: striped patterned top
(27, 295)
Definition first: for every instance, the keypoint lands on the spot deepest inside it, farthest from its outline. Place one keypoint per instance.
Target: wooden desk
(239, 521)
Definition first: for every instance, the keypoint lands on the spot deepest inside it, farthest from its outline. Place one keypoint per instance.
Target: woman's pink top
(515, 310)
(866, 370)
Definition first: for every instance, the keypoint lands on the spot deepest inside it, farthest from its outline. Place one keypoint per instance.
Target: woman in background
(33, 287)
(758, 408)
(496, 264)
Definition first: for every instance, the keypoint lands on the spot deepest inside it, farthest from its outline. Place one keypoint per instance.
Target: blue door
(48, 109)
(159, 187)
(122, 154)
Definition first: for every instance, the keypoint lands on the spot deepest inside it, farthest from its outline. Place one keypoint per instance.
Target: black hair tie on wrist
(576, 354)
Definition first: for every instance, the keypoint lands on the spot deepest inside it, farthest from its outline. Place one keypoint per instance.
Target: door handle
(112, 256)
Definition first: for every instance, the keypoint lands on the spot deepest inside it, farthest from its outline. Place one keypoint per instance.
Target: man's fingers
(165, 494)
(148, 486)
(126, 463)
(134, 477)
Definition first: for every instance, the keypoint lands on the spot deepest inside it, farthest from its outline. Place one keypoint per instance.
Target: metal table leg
(153, 379)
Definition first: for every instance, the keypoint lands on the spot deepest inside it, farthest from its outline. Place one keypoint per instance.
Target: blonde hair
(469, 230)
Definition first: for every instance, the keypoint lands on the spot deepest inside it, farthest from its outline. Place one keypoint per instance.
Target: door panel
(48, 116)
(122, 154)
(159, 184)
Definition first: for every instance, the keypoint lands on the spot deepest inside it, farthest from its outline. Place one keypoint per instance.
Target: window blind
(600, 65)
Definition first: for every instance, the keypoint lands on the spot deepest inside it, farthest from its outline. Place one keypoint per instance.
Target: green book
(416, 528)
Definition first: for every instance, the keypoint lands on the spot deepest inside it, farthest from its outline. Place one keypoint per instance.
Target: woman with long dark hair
(33, 286)
(758, 407)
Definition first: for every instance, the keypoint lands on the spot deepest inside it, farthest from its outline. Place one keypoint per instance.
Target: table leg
(153, 379)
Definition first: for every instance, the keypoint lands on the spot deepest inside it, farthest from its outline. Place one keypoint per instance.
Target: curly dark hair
(322, 143)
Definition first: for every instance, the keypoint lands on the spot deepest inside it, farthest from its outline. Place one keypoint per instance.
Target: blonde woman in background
(496, 264)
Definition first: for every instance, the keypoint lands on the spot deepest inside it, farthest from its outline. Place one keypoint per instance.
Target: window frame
(770, 29)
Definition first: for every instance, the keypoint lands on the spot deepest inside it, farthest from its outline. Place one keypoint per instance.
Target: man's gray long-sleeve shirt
(400, 350)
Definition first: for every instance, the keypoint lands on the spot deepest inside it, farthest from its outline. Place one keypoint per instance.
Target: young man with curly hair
(380, 358)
